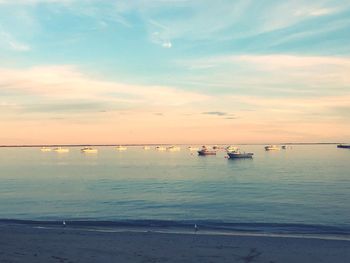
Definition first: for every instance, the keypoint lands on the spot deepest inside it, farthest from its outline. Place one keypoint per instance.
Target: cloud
(276, 75)
(35, 2)
(65, 88)
(315, 11)
(203, 20)
(217, 113)
(11, 42)
(160, 39)
(167, 44)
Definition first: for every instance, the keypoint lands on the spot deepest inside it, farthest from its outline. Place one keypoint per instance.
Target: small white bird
(195, 228)
(64, 223)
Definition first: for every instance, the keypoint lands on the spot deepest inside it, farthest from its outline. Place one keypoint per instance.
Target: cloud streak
(11, 42)
(60, 83)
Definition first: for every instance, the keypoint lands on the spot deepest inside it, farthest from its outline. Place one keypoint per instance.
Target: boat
(271, 148)
(205, 151)
(191, 148)
(284, 147)
(160, 148)
(173, 148)
(347, 146)
(231, 148)
(61, 150)
(146, 147)
(239, 155)
(121, 148)
(216, 147)
(45, 149)
(88, 150)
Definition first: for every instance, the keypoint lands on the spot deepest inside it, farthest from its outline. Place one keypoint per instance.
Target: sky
(174, 71)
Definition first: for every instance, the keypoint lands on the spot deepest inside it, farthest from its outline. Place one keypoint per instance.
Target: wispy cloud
(217, 113)
(10, 42)
(64, 86)
(276, 75)
(160, 40)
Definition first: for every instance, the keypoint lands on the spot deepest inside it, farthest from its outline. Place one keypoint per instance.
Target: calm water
(302, 185)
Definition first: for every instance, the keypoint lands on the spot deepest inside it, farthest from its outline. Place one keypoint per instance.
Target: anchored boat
(239, 155)
(160, 148)
(344, 146)
(205, 151)
(121, 148)
(231, 148)
(61, 150)
(272, 148)
(173, 148)
(45, 149)
(88, 150)
(191, 148)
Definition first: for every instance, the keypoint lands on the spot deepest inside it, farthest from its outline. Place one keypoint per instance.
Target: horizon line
(155, 144)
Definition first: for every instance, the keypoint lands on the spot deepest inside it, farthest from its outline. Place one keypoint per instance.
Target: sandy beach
(25, 243)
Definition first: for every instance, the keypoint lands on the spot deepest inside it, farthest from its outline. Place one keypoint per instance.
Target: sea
(304, 189)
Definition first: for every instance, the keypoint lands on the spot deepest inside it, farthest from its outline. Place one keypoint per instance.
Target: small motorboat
(173, 148)
(61, 150)
(284, 147)
(191, 148)
(239, 155)
(205, 151)
(231, 148)
(160, 148)
(88, 150)
(45, 149)
(121, 148)
(272, 148)
(347, 146)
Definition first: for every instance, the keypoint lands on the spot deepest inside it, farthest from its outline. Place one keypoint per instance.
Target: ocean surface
(304, 188)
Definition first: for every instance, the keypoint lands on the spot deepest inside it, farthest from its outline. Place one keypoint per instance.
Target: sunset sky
(174, 71)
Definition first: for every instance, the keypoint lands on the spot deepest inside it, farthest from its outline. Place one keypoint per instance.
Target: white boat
(88, 150)
(61, 150)
(191, 148)
(146, 147)
(45, 149)
(231, 148)
(160, 148)
(121, 148)
(173, 148)
(205, 151)
(272, 148)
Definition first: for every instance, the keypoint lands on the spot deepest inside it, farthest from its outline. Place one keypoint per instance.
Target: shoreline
(162, 144)
(301, 231)
(26, 243)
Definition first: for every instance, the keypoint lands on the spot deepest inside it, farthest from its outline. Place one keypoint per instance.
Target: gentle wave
(204, 226)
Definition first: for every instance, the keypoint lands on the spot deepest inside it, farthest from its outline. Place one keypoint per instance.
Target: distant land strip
(156, 144)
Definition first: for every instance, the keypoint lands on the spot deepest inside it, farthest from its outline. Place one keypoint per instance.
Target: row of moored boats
(172, 148)
(233, 152)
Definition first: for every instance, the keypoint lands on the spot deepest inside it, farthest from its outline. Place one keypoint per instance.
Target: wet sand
(23, 243)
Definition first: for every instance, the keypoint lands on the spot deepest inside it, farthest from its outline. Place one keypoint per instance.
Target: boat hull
(267, 148)
(204, 153)
(346, 146)
(240, 155)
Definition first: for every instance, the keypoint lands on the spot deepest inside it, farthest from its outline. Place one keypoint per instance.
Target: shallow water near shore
(306, 185)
